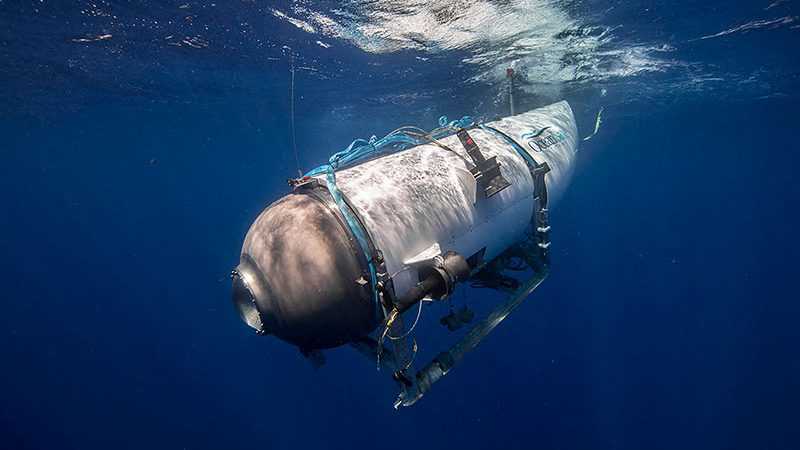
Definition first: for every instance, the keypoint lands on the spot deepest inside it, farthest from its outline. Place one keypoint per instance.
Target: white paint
(414, 200)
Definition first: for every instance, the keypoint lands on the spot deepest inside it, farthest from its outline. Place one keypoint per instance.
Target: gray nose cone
(298, 276)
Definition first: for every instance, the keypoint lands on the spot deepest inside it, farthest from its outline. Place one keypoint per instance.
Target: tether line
(294, 134)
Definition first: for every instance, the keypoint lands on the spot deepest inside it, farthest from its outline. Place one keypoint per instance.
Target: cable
(399, 271)
(414, 349)
(294, 134)
(393, 315)
(416, 321)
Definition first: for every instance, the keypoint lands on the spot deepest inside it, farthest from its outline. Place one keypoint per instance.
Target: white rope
(416, 321)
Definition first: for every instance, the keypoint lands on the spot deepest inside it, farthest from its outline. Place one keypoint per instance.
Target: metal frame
(537, 256)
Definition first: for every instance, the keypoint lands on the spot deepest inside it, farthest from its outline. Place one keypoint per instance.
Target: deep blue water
(133, 164)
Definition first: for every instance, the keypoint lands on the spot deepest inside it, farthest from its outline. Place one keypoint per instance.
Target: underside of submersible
(389, 223)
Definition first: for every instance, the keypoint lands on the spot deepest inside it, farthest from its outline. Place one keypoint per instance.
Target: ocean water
(140, 139)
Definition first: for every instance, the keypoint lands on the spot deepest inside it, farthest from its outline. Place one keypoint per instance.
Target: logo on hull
(544, 139)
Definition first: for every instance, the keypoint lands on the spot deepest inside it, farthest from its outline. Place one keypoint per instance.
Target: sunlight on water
(537, 36)
(417, 50)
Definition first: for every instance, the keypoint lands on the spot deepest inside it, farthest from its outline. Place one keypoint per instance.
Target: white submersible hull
(349, 250)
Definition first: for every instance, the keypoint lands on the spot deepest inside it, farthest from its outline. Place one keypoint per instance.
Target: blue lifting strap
(358, 231)
(361, 150)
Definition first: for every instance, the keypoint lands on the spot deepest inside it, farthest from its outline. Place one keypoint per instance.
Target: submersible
(386, 224)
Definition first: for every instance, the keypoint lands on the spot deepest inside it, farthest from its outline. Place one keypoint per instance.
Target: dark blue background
(669, 321)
